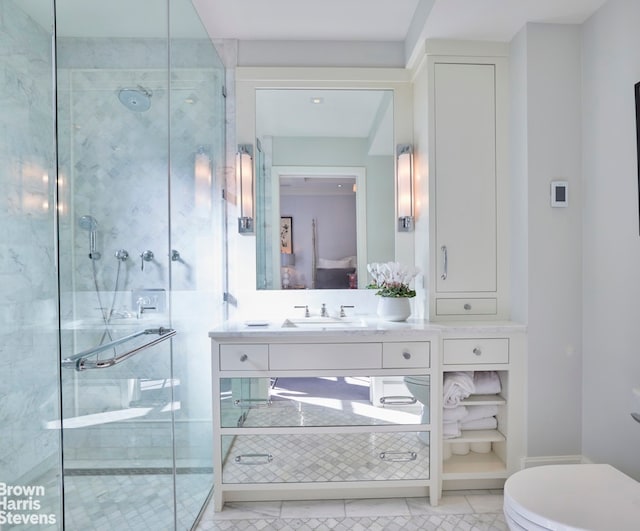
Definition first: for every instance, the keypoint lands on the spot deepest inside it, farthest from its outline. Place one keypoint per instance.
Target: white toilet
(420, 388)
(572, 498)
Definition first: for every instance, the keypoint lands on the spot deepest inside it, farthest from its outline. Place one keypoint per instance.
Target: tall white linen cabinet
(468, 186)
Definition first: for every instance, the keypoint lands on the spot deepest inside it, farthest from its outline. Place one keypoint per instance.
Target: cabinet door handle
(445, 262)
(406, 355)
(397, 400)
(467, 306)
(477, 351)
(398, 456)
(244, 357)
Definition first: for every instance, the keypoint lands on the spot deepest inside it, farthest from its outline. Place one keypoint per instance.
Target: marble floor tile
(246, 510)
(312, 508)
(447, 505)
(485, 503)
(378, 507)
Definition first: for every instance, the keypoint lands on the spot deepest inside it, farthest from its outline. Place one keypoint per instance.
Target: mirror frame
(250, 79)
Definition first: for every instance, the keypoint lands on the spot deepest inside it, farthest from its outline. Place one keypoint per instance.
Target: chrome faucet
(323, 311)
(342, 307)
(306, 310)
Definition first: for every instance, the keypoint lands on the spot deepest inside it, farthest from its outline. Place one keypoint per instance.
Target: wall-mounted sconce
(404, 187)
(244, 174)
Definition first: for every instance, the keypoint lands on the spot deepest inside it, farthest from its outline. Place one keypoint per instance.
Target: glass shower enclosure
(119, 146)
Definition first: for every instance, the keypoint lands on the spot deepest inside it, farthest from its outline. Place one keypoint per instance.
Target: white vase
(394, 308)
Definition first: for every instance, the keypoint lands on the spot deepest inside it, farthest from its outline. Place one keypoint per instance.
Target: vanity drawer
(475, 351)
(466, 306)
(322, 457)
(302, 356)
(412, 354)
(244, 357)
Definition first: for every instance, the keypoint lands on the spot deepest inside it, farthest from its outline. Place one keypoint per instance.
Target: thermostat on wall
(559, 193)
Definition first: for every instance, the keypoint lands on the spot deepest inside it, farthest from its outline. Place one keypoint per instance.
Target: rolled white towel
(457, 386)
(490, 423)
(486, 383)
(450, 430)
(479, 412)
(454, 413)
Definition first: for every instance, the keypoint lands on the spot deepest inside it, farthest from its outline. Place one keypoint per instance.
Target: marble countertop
(361, 327)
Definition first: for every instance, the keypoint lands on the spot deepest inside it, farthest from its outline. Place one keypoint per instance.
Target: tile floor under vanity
(460, 510)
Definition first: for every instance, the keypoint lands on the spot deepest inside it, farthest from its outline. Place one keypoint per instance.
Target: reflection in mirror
(325, 165)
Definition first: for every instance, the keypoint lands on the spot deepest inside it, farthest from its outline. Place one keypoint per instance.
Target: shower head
(90, 224)
(135, 99)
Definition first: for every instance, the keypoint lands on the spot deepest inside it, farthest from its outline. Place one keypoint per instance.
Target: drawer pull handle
(252, 403)
(253, 459)
(477, 351)
(398, 456)
(397, 400)
(244, 357)
(406, 355)
(467, 306)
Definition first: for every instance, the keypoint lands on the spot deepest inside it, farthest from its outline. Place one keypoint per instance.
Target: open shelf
(472, 436)
(473, 464)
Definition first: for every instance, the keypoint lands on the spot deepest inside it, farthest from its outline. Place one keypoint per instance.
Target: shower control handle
(146, 256)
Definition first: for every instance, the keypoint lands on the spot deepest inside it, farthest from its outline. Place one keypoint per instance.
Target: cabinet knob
(406, 355)
(244, 357)
(477, 351)
(467, 306)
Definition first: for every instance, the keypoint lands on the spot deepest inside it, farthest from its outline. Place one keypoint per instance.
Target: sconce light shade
(404, 187)
(202, 176)
(244, 175)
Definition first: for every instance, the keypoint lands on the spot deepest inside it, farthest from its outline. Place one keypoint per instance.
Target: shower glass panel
(140, 145)
(29, 390)
(197, 147)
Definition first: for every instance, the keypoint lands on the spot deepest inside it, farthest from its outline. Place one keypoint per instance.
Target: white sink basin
(323, 322)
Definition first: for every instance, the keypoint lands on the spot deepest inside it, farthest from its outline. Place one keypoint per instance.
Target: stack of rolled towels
(461, 385)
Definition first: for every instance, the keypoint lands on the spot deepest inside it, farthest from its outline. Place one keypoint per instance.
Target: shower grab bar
(79, 362)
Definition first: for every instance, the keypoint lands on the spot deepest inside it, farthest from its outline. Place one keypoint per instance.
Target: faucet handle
(323, 310)
(342, 307)
(306, 310)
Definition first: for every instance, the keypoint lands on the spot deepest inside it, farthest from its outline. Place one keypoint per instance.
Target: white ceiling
(342, 20)
(383, 20)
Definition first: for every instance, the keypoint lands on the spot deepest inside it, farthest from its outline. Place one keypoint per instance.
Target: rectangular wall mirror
(325, 164)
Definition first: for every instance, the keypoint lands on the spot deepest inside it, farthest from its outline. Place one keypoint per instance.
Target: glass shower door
(141, 152)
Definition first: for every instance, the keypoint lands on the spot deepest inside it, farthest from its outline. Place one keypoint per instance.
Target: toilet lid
(574, 497)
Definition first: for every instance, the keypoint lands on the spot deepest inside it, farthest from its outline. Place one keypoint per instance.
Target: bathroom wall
(611, 240)
(545, 85)
(29, 398)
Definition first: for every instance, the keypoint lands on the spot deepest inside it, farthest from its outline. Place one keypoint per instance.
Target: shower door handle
(80, 362)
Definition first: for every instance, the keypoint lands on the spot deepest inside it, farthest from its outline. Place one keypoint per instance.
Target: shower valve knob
(146, 256)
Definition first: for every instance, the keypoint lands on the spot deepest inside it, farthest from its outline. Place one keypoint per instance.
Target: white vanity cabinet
(468, 184)
(294, 418)
(486, 457)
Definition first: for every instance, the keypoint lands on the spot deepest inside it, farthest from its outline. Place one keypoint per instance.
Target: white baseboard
(528, 462)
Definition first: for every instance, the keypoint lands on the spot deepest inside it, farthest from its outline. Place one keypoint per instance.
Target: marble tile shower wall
(116, 166)
(28, 290)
